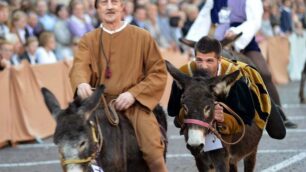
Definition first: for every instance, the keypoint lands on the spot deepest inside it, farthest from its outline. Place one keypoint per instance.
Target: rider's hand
(229, 34)
(219, 116)
(124, 101)
(84, 90)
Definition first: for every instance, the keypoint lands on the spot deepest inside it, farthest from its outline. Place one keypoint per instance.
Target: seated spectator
(62, 34)
(46, 19)
(6, 54)
(45, 52)
(140, 17)
(4, 14)
(34, 27)
(153, 26)
(19, 21)
(79, 23)
(30, 50)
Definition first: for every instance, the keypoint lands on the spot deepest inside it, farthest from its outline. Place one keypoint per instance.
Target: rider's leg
(264, 71)
(275, 126)
(149, 138)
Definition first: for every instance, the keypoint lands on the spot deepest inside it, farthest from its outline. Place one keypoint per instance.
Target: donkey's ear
(51, 102)
(228, 41)
(224, 83)
(177, 75)
(91, 103)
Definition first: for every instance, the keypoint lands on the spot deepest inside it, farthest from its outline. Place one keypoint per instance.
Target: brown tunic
(135, 61)
(137, 66)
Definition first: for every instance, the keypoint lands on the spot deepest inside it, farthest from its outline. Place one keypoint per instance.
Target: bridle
(97, 135)
(212, 126)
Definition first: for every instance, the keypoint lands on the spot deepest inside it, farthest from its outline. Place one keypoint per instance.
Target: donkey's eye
(82, 145)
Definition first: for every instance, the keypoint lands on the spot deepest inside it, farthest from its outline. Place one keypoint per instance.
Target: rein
(214, 130)
(98, 140)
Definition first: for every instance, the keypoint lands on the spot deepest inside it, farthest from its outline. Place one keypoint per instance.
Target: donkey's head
(198, 102)
(73, 134)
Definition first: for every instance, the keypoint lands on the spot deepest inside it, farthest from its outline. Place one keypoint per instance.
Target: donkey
(199, 95)
(84, 135)
(302, 82)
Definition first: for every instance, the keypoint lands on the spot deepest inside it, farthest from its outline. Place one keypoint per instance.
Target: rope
(112, 115)
(238, 117)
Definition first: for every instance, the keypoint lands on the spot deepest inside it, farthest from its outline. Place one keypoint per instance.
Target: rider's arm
(81, 71)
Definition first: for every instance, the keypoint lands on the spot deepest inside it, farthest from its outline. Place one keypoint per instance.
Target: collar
(114, 31)
(219, 69)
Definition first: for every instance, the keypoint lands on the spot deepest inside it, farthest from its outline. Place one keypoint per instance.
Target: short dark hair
(208, 45)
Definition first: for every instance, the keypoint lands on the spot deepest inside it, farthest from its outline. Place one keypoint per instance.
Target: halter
(212, 128)
(98, 139)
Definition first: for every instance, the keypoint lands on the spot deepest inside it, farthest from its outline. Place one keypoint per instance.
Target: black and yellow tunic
(248, 97)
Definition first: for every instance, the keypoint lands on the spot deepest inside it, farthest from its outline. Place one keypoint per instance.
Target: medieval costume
(129, 60)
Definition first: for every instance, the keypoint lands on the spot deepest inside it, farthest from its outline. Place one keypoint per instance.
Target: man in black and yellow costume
(248, 97)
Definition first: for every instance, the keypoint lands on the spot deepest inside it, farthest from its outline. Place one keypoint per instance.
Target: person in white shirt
(45, 52)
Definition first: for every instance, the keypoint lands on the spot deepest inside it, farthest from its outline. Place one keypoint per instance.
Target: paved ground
(285, 155)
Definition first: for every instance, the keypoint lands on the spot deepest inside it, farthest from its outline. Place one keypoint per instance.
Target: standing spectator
(275, 19)
(163, 21)
(26, 6)
(52, 4)
(34, 27)
(79, 23)
(286, 17)
(46, 19)
(266, 27)
(62, 34)
(4, 13)
(30, 50)
(45, 51)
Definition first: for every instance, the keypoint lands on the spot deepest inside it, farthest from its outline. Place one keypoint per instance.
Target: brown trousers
(147, 133)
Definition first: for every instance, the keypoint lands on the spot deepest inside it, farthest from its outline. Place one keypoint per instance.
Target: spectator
(140, 17)
(275, 19)
(34, 27)
(52, 4)
(192, 13)
(19, 21)
(286, 17)
(6, 54)
(30, 50)
(46, 19)
(128, 11)
(79, 22)
(45, 51)
(153, 27)
(62, 34)
(26, 6)
(266, 27)
(4, 13)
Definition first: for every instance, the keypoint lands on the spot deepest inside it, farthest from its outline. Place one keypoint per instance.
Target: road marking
(289, 106)
(300, 156)
(286, 163)
(28, 164)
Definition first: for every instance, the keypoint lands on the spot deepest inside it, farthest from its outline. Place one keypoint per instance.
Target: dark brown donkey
(302, 82)
(199, 95)
(84, 134)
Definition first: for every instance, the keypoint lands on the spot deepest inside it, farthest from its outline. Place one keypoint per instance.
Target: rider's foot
(187, 42)
(290, 124)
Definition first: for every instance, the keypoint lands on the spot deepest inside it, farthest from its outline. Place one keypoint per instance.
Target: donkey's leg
(302, 82)
(250, 161)
(202, 162)
(233, 167)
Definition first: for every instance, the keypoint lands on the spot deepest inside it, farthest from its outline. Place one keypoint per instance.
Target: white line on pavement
(286, 163)
(288, 106)
(184, 155)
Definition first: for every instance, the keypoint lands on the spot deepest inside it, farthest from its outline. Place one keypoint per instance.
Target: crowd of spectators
(47, 31)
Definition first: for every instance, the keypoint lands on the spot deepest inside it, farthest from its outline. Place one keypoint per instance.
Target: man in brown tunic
(132, 69)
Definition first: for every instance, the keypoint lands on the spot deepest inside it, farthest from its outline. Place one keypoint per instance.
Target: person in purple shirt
(79, 23)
